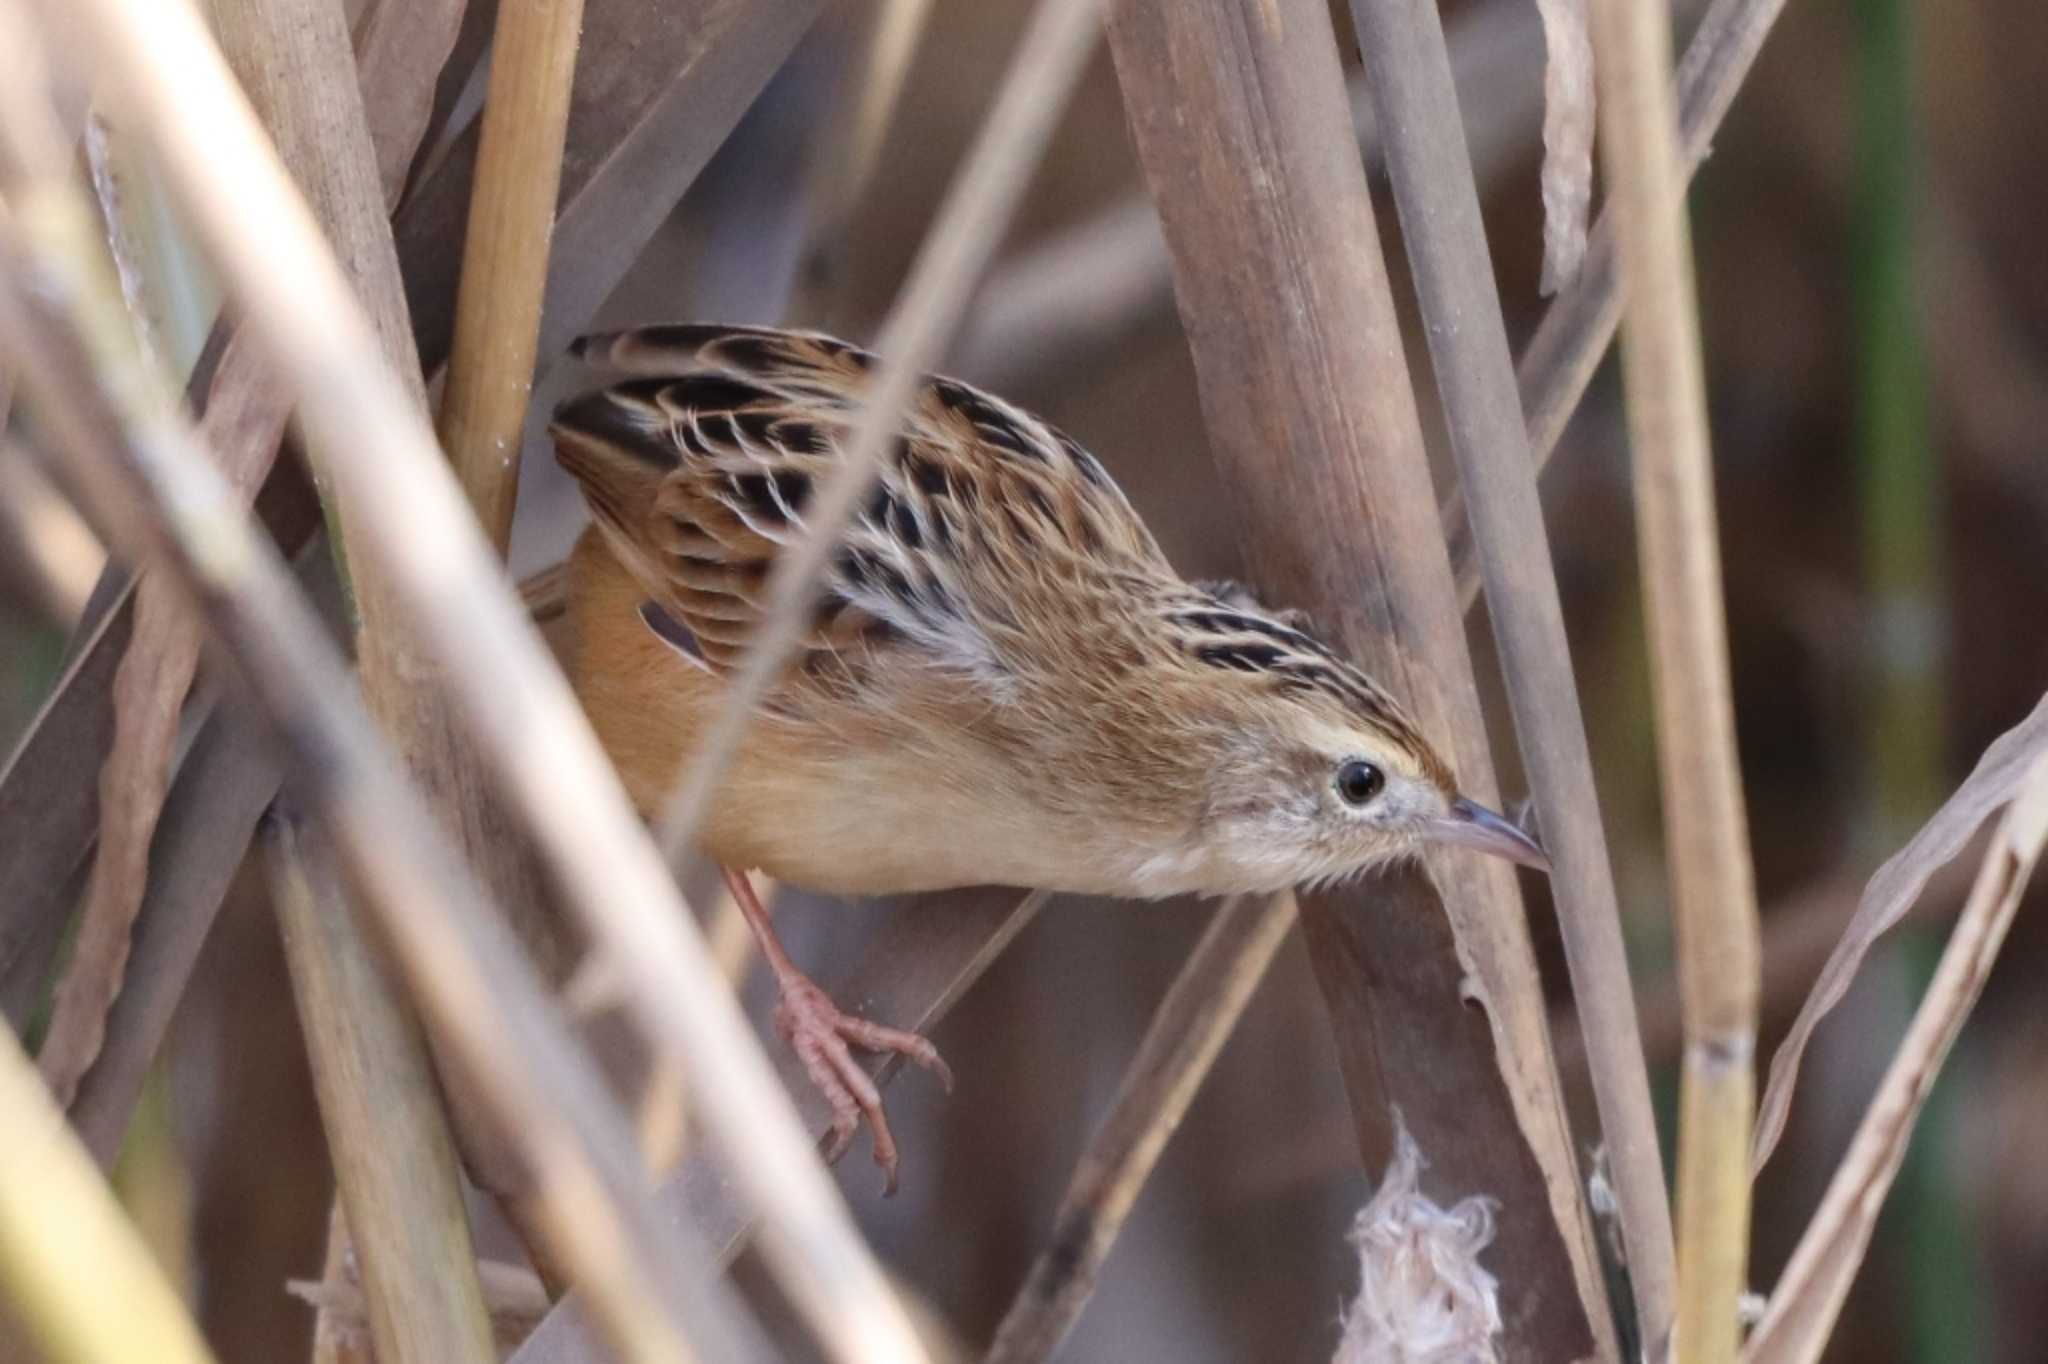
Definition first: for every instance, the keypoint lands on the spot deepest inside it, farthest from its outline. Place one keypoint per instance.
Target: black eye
(1359, 782)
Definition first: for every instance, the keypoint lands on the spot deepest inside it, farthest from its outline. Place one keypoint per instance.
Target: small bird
(1004, 680)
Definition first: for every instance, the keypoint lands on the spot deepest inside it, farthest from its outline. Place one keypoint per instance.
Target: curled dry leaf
(1423, 1297)
(1568, 118)
(1890, 893)
(1802, 1312)
(149, 695)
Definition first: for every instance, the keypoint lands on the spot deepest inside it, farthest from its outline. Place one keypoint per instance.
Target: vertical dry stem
(1409, 75)
(1714, 896)
(505, 256)
(393, 1157)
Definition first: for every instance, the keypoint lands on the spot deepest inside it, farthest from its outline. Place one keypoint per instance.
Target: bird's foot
(823, 1036)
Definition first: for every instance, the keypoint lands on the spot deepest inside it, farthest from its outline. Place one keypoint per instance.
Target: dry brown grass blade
(165, 70)
(659, 87)
(381, 1110)
(1706, 828)
(223, 785)
(1310, 413)
(505, 254)
(244, 419)
(1891, 892)
(1803, 1308)
(149, 697)
(66, 1248)
(929, 952)
(1187, 1031)
(1409, 73)
(968, 228)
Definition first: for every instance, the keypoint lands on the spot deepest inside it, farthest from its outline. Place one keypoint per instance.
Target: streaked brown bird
(1005, 681)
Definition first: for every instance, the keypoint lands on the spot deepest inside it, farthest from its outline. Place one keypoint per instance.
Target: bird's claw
(823, 1036)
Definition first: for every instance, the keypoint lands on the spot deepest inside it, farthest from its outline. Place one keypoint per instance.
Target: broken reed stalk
(969, 226)
(505, 254)
(67, 1250)
(1240, 120)
(1409, 74)
(1706, 835)
(159, 64)
(394, 1159)
(1568, 343)
(1187, 1031)
(141, 469)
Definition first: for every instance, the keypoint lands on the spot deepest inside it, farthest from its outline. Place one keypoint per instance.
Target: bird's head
(1318, 774)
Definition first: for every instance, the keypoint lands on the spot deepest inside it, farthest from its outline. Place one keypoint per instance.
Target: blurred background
(1875, 307)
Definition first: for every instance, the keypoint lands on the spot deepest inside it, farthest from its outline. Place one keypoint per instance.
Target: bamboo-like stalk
(1713, 890)
(505, 255)
(1409, 74)
(1187, 1032)
(160, 64)
(1239, 115)
(970, 222)
(67, 1250)
(139, 465)
(393, 1157)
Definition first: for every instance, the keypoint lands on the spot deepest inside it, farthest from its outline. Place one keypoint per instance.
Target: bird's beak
(1470, 825)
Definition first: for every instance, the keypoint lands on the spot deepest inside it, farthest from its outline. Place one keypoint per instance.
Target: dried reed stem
(1560, 358)
(505, 255)
(67, 1251)
(1409, 74)
(1239, 115)
(1187, 1032)
(1714, 895)
(386, 1134)
(969, 226)
(161, 66)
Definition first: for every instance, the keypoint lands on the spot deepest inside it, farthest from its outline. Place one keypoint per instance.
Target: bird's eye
(1359, 782)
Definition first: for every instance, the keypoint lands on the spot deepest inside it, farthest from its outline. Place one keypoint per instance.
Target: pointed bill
(1471, 825)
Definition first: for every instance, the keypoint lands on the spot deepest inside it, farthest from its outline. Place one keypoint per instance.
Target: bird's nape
(1468, 824)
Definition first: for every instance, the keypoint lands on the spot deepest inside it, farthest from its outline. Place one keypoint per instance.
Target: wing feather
(702, 460)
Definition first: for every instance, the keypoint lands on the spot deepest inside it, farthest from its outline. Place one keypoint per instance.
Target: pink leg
(819, 1033)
